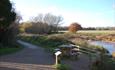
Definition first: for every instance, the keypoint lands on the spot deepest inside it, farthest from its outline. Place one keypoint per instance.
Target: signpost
(78, 48)
(57, 53)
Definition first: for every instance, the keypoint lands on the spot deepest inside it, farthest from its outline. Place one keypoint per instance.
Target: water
(107, 45)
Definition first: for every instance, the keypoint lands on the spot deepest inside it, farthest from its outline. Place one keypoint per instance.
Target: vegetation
(8, 27)
(65, 28)
(98, 35)
(7, 14)
(102, 32)
(53, 41)
(23, 26)
(108, 36)
(49, 42)
(74, 27)
(8, 50)
(48, 24)
(42, 24)
(92, 48)
(63, 67)
(99, 28)
(106, 63)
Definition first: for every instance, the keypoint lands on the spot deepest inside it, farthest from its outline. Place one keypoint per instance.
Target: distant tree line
(42, 24)
(99, 28)
(65, 28)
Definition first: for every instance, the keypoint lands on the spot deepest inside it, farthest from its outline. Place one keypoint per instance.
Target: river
(107, 45)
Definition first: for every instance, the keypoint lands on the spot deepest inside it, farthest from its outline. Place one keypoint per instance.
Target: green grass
(52, 42)
(106, 63)
(49, 42)
(9, 50)
(63, 67)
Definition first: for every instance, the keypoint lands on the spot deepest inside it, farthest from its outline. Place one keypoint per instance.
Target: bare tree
(38, 18)
(53, 21)
(46, 23)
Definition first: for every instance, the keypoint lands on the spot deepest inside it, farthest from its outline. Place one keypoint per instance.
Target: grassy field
(98, 31)
(94, 31)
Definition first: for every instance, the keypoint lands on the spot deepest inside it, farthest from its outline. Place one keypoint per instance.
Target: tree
(7, 17)
(23, 26)
(45, 24)
(53, 21)
(74, 27)
(37, 28)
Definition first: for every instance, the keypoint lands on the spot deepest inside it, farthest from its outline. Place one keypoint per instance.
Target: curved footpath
(31, 57)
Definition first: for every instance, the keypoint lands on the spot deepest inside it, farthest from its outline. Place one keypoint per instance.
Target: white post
(56, 60)
(78, 48)
(57, 53)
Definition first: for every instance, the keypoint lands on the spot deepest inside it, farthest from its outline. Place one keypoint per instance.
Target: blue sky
(88, 13)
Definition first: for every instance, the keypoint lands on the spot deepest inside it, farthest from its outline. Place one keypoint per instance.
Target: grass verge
(62, 67)
(105, 64)
(9, 50)
(48, 42)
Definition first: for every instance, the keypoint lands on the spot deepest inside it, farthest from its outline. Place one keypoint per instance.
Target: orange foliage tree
(74, 27)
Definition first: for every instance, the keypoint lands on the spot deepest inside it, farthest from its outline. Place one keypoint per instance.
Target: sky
(88, 13)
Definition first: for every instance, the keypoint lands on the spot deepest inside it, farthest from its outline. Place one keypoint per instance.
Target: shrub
(74, 27)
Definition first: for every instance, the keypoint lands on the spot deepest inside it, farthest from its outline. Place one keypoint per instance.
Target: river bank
(110, 46)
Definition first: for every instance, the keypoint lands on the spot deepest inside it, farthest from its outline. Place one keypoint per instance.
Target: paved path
(30, 58)
(82, 63)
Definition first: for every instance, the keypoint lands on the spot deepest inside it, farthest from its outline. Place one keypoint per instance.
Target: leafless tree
(46, 23)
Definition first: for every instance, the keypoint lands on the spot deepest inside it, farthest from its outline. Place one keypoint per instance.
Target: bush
(105, 64)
